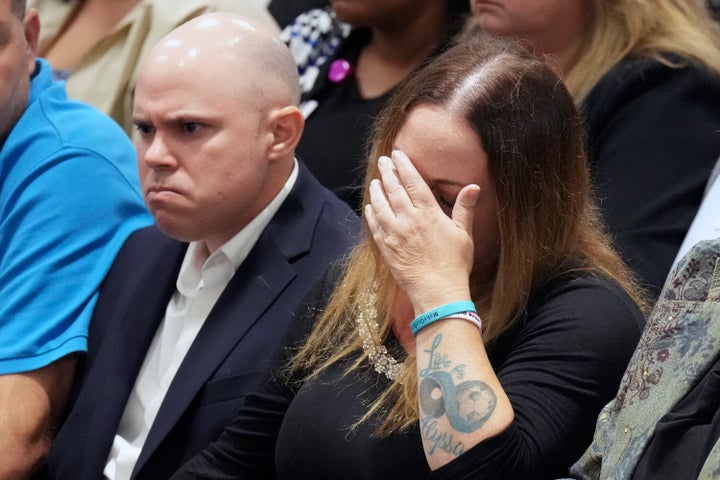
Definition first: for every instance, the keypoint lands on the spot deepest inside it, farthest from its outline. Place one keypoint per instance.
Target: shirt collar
(234, 251)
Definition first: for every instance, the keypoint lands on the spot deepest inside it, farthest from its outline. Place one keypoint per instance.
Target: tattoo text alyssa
(467, 405)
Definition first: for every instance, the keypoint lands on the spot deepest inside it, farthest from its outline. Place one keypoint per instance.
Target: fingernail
(383, 161)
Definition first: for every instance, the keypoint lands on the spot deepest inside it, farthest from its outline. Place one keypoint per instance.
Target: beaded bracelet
(443, 311)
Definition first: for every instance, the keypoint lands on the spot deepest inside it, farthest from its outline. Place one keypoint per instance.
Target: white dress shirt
(201, 281)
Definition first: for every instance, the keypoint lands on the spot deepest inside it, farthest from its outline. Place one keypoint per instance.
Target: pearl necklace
(377, 353)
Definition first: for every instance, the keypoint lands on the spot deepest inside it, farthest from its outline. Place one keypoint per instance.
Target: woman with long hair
(483, 321)
(646, 75)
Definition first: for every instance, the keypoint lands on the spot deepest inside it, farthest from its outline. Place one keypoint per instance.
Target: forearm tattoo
(467, 405)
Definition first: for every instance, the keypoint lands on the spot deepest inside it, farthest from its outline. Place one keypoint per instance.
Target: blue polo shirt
(69, 197)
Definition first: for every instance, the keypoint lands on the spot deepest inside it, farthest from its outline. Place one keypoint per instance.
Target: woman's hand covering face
(429, 254)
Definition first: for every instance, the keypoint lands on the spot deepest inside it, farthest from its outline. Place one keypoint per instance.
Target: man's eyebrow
(187, 116)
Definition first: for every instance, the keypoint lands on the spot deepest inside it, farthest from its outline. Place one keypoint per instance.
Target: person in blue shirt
(69, 196)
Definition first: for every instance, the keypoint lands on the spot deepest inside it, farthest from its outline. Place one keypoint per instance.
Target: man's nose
(157, 154)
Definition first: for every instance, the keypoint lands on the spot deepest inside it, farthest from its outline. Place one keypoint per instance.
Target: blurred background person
(714, 6)
(647, 76)
(96, 45)
(285, 11)
(69, 197)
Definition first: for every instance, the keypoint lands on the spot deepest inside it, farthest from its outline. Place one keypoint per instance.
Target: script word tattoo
(466, 405)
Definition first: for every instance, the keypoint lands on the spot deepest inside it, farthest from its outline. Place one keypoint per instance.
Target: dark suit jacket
(227, 358)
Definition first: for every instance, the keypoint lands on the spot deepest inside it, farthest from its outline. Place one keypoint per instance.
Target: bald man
(193, 308)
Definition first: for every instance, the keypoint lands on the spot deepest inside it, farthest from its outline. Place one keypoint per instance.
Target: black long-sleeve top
(654, 137)
(558, 366)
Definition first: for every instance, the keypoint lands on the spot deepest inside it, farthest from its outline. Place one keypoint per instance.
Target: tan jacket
(106, 75)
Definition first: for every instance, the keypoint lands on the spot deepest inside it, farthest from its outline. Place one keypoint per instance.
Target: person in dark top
(480, 224)
(647, 77)
(351, 56)
(714, 7)
(664, 422)
(284, 11)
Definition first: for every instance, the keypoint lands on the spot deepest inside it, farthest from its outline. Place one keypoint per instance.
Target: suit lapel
(256, 285)
(253, 289)
(126, 342)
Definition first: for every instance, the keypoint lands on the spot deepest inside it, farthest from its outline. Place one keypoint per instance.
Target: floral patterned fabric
(680, 341)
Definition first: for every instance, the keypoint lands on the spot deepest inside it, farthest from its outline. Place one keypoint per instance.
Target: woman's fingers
(414, 185)
(463, 212)
(409, 228)
(378, 208)
(376, 230)
(396, 194)
(381, 211)
(401, 191)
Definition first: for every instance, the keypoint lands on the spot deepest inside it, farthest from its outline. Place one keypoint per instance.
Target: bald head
(228, 51)
(217, 124)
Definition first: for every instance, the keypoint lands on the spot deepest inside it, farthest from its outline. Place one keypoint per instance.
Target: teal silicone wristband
(439, 313)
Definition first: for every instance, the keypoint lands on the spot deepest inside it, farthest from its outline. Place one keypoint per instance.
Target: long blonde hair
(652, 28)
(548, 224)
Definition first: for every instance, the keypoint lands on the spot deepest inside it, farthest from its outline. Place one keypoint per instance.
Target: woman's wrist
(433, 298)
(464, 310)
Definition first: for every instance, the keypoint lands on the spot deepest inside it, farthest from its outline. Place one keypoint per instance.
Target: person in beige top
(97, 45)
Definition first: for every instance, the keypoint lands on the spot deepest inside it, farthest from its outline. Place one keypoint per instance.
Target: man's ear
(287, 125)
(31, 27)
(31, 30)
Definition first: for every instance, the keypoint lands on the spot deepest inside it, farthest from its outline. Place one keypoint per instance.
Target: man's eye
(144, 128)
(190, 127)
